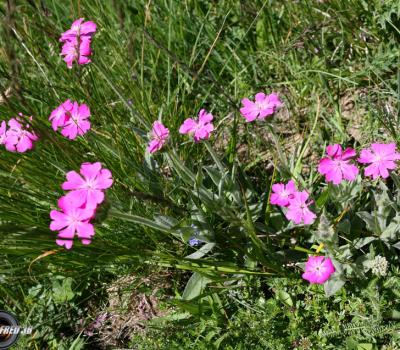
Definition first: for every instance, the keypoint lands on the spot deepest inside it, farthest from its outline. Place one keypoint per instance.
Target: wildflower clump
(86, 189)
(282, 193)
(201, 128)
(79, 205)
(298, 209)
(77, 41)
(19, 136)
(262, 107)
(337, 166)
(296, 202)
(72, 118)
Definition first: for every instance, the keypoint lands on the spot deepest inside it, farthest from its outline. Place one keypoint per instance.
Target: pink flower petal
(60, 220)
(90, 170)
(188, 126)
(74, 181)
(68, 232)
(104, 179)
(205, 117)
(67, 243)
(85, 230)
(70, 131)
(86, 241)
(154, 146)
(76, 198)
(260, 97)
(334, 150)
(94, 198)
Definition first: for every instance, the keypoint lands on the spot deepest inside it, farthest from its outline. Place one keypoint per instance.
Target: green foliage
(287, 315)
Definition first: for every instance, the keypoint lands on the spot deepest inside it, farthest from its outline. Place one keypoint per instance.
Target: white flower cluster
(379, 266)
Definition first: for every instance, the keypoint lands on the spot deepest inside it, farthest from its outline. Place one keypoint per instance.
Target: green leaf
(214, 174)
(322, 199)
(395, 314)
(334, 284)
(214, 156)
(195, 286)
(284, 297)
(325, 232)
(359, 243)
(384, 206)
(370, 220)
(396, 245)
(392, 230)
(218, 342)
(77, 344)
(63, 292)
(365, 346)
(395, 179)
(166, 221)
(140, 220)
(202, 251)
(261, 34)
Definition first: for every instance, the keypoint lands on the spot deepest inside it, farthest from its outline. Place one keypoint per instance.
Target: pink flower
(76, 123)
(79, 205)
(159, 136)
(382, 157)
(79, 28)
(73, 52)
(77, 40)
(87, 190)
(61, 114)
(19, 138)
(70, 221)
(3, 132)
(298, 210)
(263, 106)
(318, 269)
(282, 193)
(200, 129)
(72, 118)
(337, 166)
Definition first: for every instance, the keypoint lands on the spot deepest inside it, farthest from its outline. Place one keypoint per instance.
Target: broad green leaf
(384, 206)
(140, 220)
(284, 297)
(325, 232)
(334, 284)
(166, 221)
(371, 222)
(361, 242)
(322, 199)
(215, 175)
(396, 245)
(202, 251)
(62, 292)
(77, 344)
(392, 230)
(195, 286)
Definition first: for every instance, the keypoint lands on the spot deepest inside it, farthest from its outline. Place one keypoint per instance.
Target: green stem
(214, 157)
(304, 250)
